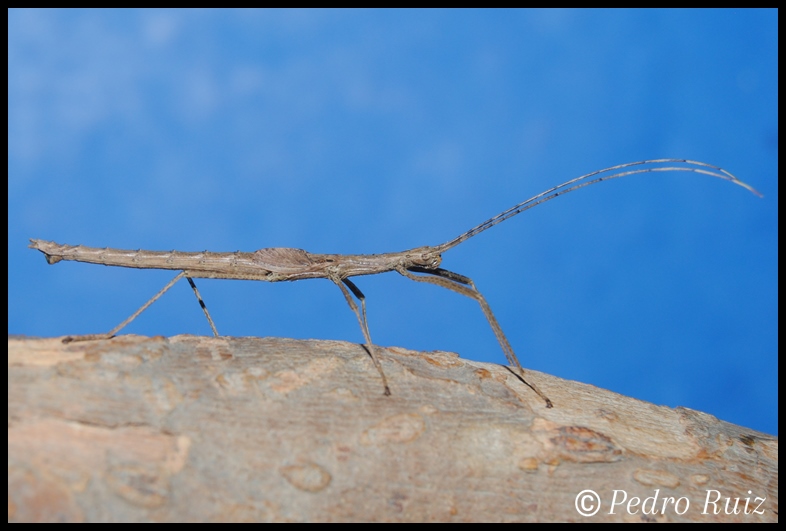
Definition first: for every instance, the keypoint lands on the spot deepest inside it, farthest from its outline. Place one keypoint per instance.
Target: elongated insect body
(269, 265)
(284, 263)
(240, 263)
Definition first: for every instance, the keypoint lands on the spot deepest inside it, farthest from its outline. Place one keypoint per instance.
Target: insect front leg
(362, 320)
(465, 286)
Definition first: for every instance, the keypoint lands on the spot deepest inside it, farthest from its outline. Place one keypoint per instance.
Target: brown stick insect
(282, 263)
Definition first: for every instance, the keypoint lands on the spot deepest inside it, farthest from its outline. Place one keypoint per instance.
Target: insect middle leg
(363, 323)
(465, 286)
(115, 330)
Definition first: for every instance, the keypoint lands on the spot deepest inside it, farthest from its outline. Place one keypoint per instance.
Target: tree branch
(248, 429)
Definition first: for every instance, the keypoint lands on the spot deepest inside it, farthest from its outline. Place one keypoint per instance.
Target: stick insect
(420, 264)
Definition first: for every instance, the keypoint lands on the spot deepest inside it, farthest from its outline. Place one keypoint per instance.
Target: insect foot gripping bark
(420, 264)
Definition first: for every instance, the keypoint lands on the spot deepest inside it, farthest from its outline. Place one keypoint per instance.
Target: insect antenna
(596, 177)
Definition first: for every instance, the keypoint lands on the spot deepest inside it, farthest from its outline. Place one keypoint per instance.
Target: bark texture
(247, 429)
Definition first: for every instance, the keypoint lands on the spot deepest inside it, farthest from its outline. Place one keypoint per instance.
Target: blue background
(378, 131)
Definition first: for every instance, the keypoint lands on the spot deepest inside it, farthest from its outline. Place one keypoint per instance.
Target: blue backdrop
(376, 131)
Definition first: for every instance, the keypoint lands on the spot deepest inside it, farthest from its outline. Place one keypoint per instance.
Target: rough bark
(247, 429)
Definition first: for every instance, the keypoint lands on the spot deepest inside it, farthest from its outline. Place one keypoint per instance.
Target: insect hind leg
(202, 305)
(115, 330)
